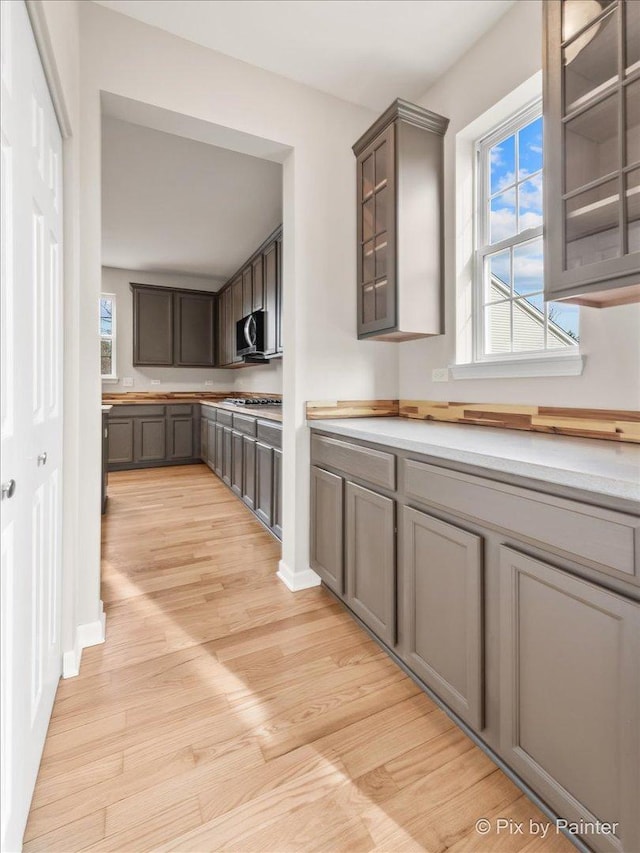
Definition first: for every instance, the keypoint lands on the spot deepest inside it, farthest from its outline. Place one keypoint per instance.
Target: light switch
(127, 381)
(155, 381)
(440, 374)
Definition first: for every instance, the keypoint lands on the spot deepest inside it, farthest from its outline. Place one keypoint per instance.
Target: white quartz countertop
(606, 468)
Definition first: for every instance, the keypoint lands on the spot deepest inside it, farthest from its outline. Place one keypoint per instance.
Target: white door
(31, 353)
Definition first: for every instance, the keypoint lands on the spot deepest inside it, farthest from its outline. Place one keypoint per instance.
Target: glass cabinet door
(600, 118)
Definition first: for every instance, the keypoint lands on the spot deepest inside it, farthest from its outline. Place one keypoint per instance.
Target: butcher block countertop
(208, 398)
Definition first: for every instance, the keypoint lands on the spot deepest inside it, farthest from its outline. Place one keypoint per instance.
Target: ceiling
(171, 204)
(364, 51)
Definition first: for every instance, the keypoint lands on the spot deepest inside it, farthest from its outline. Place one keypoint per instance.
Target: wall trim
(295, 581)
(90, 634)
(38, 20)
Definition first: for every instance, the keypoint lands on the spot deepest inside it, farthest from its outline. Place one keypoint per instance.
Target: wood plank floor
(226, 713)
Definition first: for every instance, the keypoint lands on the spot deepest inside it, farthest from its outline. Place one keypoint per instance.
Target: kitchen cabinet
(371, 559)
(195, 344)
(443, 610)
(211, 445)
(226, 455)
(400, 225)
(173, 328)
(592, 144)
(181, 444)
(105, 457)
(256, 286)
(150, 438)
(145, 436)
(276, 524)
(264, 483)
(570, 681)
(204, 439)
(219, 456)
(249, 471)
(237, 461)
(517, 609)
(327, 513)
(120, 440)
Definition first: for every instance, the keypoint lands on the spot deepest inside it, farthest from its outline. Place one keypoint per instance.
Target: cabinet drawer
(374, 466)
(588, 533)
(270, 434)
(180, 409)
(135, 411)
(208, 412)
(224, 418)
(244, 424)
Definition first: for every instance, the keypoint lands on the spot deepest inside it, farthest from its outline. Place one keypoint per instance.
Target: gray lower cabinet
(371, 559)
(443, 610)
(226, 455)
(569, 705)
(264, 483)
(150, 439)
(120, 441)
(204, 439)
(249, 471)
(276, 521)
(236, 463)
(211, 444)
(181, 438)
(326, 528)
(105, 457)
(219, 454)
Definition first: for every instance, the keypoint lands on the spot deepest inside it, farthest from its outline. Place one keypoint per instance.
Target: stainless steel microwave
(250, 334)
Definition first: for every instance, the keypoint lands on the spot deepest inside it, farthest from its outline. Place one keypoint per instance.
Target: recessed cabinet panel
(236, 463)
(152, 326)
(258, 288)
(226, 455)
(270, 301)
(371, 568)
(194, 330)
(570, 683)
(149, 440)
(249, 471)
(443, 609)
(264, 483)
(120, 440)
(219, 455)
(181, 438)
(211, 445)
(247, 291)
(326, 528)
(276, 523)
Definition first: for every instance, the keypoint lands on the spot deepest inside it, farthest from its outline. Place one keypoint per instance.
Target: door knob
(8, 489)
(42, 458)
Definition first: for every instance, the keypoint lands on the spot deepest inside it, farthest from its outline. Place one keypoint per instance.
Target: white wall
(506, 57)
(323, 359)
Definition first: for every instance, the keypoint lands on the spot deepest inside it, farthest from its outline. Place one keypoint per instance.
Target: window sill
(110, 380)
(563, 365)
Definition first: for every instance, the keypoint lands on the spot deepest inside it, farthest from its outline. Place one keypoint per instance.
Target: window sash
(111, 336)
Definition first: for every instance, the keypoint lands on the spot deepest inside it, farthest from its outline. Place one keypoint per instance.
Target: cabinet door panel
(236, 314)
(194, 330)
(204, 435)
(181, 438)
(371, 553)
(236, 462)
(120, 440)
(247, 291)
(277, 493)
(326, 528)
(442, 582)
(264, 483)
(152, 326)
(279, 295)
(211, 445)
(258, 294)
(249, 471)
(226, 455)
(219, 449)
(150, 439)
(271, 297)
(570, 687)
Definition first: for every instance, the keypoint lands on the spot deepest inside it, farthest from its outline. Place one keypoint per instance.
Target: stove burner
(257, 401)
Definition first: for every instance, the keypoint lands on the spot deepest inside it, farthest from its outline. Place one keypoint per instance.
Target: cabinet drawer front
(570, 683)
(373, 466)
(136, 411)
(224, 418)
(326, 528)
(443, 598)
(589, 533)
(270, 434)
(208, 412)
(244, 424)
(180, 409)
(371, 560)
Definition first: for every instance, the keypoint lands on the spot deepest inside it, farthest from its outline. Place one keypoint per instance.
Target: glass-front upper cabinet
(592, 145)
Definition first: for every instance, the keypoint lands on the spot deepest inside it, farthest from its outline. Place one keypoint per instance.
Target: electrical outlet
(440, 374)
(155, 381)
(127, 381)
(208, 381)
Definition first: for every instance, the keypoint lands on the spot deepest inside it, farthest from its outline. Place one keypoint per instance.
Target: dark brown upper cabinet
(173, 328)
(591, 171)
(400, 224)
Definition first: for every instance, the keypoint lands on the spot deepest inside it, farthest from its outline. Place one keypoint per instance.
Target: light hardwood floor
(224, 712)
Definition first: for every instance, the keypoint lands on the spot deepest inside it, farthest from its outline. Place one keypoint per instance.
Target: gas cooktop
(258, 401)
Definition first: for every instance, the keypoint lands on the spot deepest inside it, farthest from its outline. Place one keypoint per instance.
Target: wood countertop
(208, 398)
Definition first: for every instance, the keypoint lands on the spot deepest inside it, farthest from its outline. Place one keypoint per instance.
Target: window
(511, 318)
(108, 336)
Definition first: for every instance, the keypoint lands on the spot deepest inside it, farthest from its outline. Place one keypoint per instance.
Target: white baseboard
(296, 581)
(90, 634)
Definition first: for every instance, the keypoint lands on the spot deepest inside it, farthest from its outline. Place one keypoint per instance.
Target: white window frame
(113, 376)
(482, 249)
